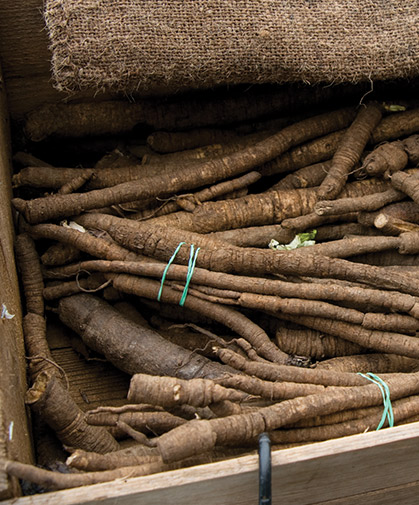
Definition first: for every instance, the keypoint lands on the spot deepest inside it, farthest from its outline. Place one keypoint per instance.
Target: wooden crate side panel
(363, 469)
(353, 465)
(23, 40)
(14, 433)
(401, 495)
(25, 57)
(24, 53)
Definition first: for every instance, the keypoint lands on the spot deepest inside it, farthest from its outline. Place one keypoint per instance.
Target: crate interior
(93, 382)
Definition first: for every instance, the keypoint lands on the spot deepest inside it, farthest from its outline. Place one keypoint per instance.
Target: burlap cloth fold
(147, 45)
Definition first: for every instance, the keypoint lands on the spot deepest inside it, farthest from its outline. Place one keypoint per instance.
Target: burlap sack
(148, 45)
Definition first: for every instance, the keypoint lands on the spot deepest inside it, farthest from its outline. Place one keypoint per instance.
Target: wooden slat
(13, 426)
(4, 484)
(24, 55)
(25, 58)
(349, 466)
(402, 495)
(350, 470)
(23, 39)
(92, 383)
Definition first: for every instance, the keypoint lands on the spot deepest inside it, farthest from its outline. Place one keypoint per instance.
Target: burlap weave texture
(145, 45)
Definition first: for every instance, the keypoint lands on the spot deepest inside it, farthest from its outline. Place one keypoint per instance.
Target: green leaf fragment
(392, 107)
(300, 240)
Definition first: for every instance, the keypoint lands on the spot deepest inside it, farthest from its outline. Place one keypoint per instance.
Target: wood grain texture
(24, 55)
(371, 468)
(404, 495)
(92, 383)
(25, 58)
(23, 39)
(14, 432)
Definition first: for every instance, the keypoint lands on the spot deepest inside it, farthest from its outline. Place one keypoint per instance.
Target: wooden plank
(4, 484)
(23, 39)
(408, 494)
(13, 426)
(92, 383)
(352, 465)
(24, 55)
(25, 58)
(335, 472)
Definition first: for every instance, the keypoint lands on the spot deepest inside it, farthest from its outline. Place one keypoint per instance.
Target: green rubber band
(385, 391)
(191, 267)
(163, 277)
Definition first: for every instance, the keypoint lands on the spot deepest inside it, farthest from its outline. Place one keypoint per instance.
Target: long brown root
(53, 403)
(350, 150)
(127, 345)
(188, 439)
(168, 391)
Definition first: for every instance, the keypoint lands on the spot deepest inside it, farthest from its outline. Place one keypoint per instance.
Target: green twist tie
(191, 268)
(163, 277)
(385, 391)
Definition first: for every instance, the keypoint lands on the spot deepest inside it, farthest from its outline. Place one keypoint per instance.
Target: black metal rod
(265, 470)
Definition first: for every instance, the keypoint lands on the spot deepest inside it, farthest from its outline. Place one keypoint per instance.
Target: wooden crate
(372, 468)
(378, 467)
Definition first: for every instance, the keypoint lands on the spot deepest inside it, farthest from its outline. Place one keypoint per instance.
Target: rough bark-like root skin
(49, 399)
(173, 448)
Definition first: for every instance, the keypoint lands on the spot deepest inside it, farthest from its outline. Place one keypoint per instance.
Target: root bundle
(234, 321)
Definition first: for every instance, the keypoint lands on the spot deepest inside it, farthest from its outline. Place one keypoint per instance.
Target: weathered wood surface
(92, 384)
(24, 54)
(403, 495)
(25, 58)
(14, 435)
(372, 468)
